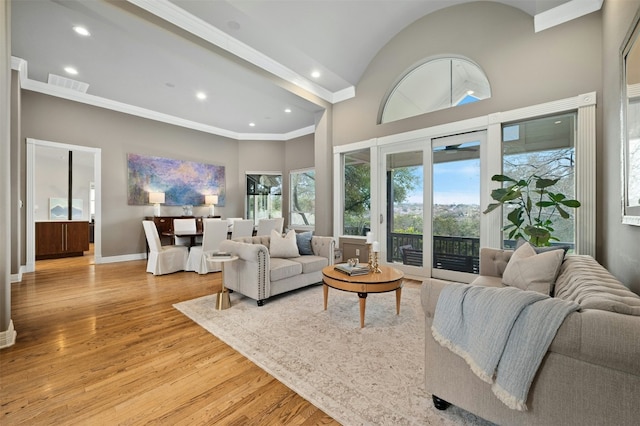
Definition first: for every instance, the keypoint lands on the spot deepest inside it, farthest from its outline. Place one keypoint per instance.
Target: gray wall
(58, 120)
(276, 156)
(5, 167)
(524, 68)
(620, 244)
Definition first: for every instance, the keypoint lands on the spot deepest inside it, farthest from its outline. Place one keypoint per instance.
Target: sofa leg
(260, 302)
(440, 404)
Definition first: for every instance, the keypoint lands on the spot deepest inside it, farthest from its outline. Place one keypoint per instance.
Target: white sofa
(591, 372)
(259, 276)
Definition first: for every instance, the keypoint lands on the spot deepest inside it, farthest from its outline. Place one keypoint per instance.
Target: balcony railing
(452, 253)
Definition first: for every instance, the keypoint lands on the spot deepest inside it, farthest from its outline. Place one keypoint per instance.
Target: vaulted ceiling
(251, 60)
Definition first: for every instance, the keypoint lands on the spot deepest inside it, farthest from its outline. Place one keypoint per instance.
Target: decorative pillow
(303, 240)
(283, 247)
(539, 250)
(529, 270)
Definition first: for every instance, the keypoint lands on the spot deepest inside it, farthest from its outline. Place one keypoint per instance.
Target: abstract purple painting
(183, 182)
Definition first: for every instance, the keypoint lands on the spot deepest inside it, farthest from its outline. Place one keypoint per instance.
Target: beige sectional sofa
(590, 374)
(258, 275)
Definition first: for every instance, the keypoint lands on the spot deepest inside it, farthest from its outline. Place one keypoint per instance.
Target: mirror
(631, 126)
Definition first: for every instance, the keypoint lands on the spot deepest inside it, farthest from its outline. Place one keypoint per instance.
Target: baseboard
(123, 258)
(8, 337)
(16, 278)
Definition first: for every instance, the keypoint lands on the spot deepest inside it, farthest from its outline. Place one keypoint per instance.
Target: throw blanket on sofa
(502, 333)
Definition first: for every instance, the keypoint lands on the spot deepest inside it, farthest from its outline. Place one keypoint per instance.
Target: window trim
(583, 104)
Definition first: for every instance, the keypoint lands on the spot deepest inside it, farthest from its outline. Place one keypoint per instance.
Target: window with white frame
(510, 148)
(264, 196)
(302, 198)
(356, 192)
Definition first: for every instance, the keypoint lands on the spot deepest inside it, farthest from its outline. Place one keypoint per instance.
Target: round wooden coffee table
(389, 279)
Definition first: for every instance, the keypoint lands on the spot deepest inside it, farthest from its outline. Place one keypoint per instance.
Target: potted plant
(535, 207)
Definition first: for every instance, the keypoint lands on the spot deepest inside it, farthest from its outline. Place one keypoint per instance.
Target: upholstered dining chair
(242, 228)
(231, 221)
(163, 259)
(186, 226)
(215, 231)
(266, 225)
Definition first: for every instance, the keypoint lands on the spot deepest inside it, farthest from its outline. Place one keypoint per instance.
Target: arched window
(435, 84)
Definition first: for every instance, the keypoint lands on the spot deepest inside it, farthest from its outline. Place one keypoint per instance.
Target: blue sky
(454, 183)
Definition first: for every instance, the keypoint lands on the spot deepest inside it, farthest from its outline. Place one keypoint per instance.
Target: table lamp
(156, 198)
(211, 200)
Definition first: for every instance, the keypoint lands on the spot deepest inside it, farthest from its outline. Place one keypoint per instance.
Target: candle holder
(373, 260)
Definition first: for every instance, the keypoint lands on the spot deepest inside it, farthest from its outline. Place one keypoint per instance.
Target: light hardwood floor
(102, 344)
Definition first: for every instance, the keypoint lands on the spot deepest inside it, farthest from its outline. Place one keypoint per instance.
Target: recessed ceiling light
(470, 92)
(252, 124)
(315, 74)
(82, 31)
(287, 110)
(201, 95)
(71, 70)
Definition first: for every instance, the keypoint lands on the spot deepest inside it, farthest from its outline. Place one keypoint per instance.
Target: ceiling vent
(68, 83)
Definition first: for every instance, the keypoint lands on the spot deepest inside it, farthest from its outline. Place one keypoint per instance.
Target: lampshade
(210, 199)
(156, 197)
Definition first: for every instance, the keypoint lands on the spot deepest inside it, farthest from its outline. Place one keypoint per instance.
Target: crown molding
(196, 26)
(21, 66)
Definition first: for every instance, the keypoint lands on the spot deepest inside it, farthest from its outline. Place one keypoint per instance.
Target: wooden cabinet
(61, 239)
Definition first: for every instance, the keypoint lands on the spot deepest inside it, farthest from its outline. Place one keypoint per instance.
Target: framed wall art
(182, 182)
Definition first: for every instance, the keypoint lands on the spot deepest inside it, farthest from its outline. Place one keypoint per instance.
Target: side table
(223, 301)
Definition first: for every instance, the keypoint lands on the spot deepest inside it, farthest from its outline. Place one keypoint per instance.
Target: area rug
(359, 376)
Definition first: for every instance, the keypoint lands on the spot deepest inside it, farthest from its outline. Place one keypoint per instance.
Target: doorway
(38, 205)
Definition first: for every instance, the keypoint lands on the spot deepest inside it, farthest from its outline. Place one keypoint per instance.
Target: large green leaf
(505, 194)
(563, 213)
(491, 207)
(502, 178)
(571, 203)
(515, 217)
(545, 183)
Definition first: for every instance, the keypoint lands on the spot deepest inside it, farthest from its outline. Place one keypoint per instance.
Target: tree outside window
(303, 198)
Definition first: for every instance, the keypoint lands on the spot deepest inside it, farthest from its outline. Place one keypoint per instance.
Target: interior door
(455, 208)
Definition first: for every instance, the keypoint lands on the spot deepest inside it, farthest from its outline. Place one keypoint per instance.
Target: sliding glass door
(403, 196)
(455, 207)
